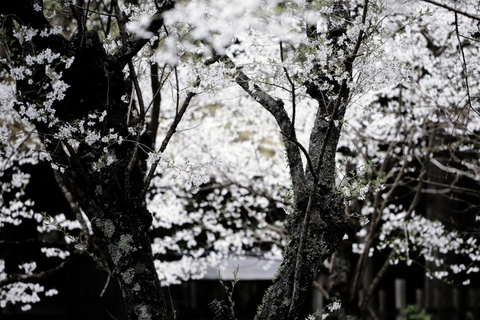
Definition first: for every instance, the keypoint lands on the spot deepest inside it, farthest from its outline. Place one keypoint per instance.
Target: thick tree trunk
(322, 234)
(319, 221)
(130, 251)
(120, 217)
(114, 193)
(111, 194)
(316, 227)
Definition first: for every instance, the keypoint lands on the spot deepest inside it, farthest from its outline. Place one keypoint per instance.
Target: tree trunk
(319, 221)
(322, 234)
(111, 193)
(120, 217)
(130, 250)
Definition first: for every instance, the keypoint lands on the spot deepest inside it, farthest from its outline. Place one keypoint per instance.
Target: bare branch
(320, 288)
(411, 209)
(129, 168)
(361, 32)
(359, 270)
(452, 169)
(138, 91)
(376, 280)
(376, 219)
(331, 125)
(89, 10)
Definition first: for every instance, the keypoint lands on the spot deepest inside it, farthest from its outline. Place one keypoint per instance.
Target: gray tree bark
(319, 221)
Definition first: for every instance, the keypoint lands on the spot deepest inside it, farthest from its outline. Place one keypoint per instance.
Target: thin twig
(92, 11)
(292, 85)
(177, 85)
(464, 66)
(37, 276)
(463, 13)
(166, 140)
(138, 91)
(105, 286)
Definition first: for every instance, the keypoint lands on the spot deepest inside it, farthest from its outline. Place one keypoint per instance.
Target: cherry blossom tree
(421, 142)
(396, 139)
(176, 120)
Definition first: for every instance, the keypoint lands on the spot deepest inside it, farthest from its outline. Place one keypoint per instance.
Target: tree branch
(133, 44)
(293, 92)
(463, 13)
(142, 116)
(464, 66)
(376, 280)
(35, 243)
(166, 140)
(307, 156)
(377, 214)
(276, 108)
(72, 202)
(37, 276)
(156, 102)
(359, 270)
(360, 33)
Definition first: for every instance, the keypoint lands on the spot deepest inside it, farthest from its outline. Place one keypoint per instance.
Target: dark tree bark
(112, 196)
(319, 221)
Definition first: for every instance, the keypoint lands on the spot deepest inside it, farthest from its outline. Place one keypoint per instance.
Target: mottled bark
(111, 196)
(319, 221)
(322, 233)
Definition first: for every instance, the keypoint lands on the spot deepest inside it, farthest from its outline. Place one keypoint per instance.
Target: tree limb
(133, 44)
(463, 13)
(37, 276)
(464, 66)
(376, 280)
(72, 202)
(277, 109)
(35, 243)
(156, 102)
(166, 140)
(293, 91)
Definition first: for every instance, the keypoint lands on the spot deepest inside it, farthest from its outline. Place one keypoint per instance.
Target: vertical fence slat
(400, 298)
